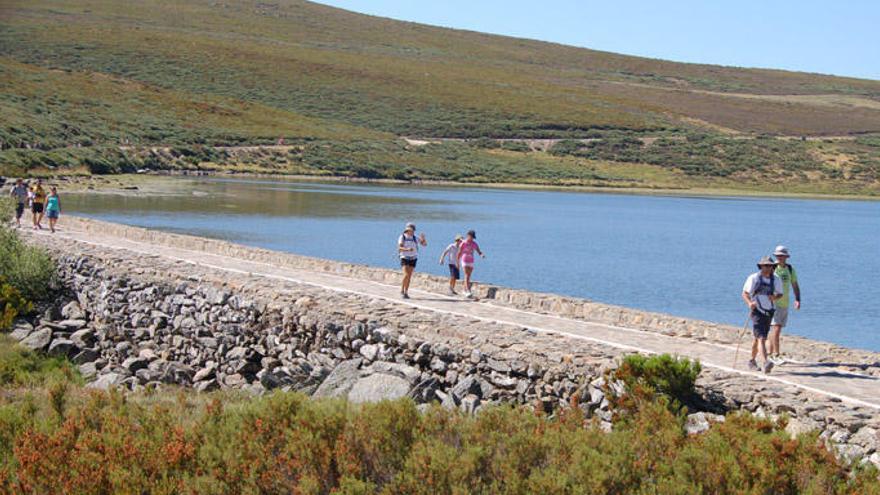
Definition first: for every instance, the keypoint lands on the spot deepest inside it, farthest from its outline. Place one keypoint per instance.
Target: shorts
(408, 262)
(761, 323)
(37, 208)
(467, 264)
(780, 317)
(52, 214)
(454, 272)
(19, 210)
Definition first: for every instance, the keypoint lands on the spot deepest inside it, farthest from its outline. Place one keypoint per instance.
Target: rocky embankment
(139, 321)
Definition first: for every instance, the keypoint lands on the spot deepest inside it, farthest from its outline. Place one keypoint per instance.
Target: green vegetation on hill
(79, 79)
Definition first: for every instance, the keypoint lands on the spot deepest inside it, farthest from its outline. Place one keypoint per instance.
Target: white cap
(781, 251)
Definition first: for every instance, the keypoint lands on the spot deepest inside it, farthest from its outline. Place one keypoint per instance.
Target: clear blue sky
(830, 37)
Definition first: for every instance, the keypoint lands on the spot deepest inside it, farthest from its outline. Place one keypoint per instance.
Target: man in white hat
(760, 292)
(788, 276)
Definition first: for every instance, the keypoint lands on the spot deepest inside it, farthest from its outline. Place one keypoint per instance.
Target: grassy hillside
(79, 78)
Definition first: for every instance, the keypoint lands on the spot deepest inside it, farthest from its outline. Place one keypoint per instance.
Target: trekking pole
(739, 341)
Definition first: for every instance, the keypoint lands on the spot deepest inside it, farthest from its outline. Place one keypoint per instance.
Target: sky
(831, 37)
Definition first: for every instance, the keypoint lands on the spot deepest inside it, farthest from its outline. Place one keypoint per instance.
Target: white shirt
(412, 246)
(450, 255)
(763, 300)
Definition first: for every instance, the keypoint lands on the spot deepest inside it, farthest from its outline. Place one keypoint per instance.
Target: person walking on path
(466, 259)
(408, 247)
(39, 199)
(53, 208)
(788, 276)
(450, 257)
(761, 290)
(19, 192)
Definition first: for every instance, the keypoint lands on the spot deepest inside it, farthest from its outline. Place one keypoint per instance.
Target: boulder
(700, 422)
(62, 348)
(38, 340)
(378, 387)
(469, 404)
(71, 325)
(73, 311)
(467, 385)
(86, 356)
(88, 370)
(408, 373)
(21, 330)
(104, 382)
(133, 364)
(369, 351)
(341, 380)
(84, 338)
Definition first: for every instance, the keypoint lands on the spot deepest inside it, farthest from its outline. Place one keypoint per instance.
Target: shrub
(643, 376)
(28, 269)
(12, 304)
(21, 367)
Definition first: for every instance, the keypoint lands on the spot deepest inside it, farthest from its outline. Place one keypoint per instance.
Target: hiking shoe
(768, 365)
(753, 366)
(405, 295)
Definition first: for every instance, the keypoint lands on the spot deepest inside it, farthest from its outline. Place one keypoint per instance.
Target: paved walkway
(853, 388)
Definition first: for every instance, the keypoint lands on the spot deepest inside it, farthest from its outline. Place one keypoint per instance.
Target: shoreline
(90, 181)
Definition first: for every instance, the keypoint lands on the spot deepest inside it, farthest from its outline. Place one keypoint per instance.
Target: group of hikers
(767, 293)
(38, 201)
(458, 256)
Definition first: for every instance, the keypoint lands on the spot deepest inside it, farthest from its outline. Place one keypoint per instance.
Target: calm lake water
(686, 256)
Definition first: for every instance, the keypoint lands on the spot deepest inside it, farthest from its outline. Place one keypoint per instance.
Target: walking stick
(739, 341)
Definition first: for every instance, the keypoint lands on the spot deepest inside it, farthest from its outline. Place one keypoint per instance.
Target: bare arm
(748, 299)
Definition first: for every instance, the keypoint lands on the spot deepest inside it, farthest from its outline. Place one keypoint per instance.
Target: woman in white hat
(408, 247)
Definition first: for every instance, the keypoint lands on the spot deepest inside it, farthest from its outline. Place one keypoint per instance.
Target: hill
(100, 73)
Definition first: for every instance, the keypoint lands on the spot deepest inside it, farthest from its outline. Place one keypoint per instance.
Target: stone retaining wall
(570, 307)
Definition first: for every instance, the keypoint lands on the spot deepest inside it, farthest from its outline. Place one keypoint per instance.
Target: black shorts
(19, 210)
(761, 323)
(408, 262)
(37, 208)
(454, 272)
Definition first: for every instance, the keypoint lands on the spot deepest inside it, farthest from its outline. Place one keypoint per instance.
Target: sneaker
(778, 360)
(768, 365)
(451, 292)
(405, 295)
(753, 366)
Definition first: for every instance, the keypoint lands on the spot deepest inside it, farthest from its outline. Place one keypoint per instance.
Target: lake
(686, 256)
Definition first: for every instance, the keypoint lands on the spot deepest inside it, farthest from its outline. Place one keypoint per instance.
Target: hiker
(20, 192)
(37, 201)
(408, 247)
(466, 259)
(53, 208)
(450, 256)
(760, 292)
(788, 276)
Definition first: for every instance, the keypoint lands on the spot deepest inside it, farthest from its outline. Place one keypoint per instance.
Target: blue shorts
(453, 272)
(761, 323)
(52, 213)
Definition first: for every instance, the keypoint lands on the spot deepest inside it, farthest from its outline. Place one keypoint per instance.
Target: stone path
(819, 378)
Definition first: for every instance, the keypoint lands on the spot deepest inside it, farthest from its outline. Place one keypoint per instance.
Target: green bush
(12, 304)
(28, 269)
(643, 376)
(21, 367)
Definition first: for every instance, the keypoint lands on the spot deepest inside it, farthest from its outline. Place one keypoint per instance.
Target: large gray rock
(86, 356)
(104, 382)
(369, 351)
(408, 373)
(133, 364)
(73, 311)
(467, 385)
(700, 422)
(341, 380)
(21, 330)
(88, 370)
(62, 348)
(378, 387)
(38, 340)
(84, 338)
(72, 325)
